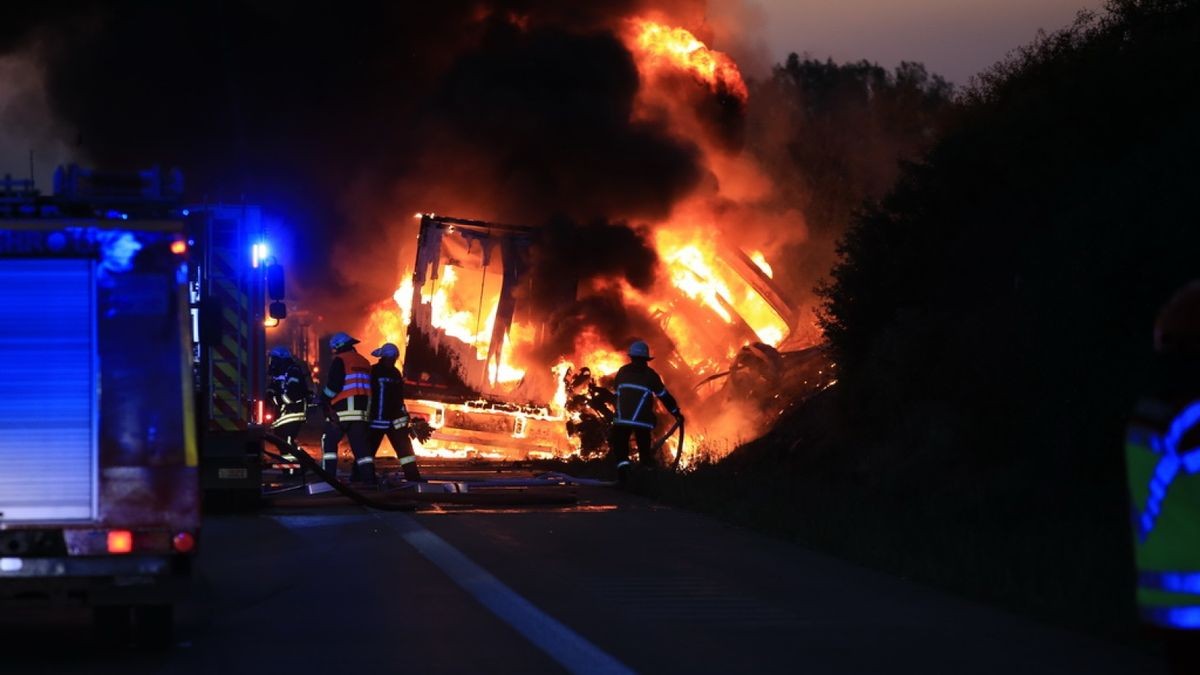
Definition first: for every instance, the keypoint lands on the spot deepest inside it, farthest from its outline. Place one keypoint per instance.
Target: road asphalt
(613, 584)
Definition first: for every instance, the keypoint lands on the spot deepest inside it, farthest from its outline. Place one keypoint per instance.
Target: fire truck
(131, 336)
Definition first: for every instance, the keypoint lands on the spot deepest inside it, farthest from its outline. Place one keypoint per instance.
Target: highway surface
(614, 584)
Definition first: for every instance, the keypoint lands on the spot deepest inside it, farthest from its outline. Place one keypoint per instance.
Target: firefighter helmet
(387, 351)
(341, 341)
(640, 350)
(1177, 329)
(281, 353)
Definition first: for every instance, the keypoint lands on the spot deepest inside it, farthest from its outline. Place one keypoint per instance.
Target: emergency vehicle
(131, 341)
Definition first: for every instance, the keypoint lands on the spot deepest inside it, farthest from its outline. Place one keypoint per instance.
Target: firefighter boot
(329, 448)
(364, 471)
(411, 473)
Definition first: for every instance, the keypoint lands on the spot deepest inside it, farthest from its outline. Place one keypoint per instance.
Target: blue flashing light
(186, 212)
(259, 253)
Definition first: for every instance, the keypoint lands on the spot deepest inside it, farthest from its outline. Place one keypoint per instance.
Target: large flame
(710, 298)
(662, 46)
(698, 271)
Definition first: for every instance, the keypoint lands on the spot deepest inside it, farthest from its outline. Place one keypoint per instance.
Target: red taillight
(184, 542)
(120, 541)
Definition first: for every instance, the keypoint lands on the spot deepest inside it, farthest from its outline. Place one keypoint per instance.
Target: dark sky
(955, 38)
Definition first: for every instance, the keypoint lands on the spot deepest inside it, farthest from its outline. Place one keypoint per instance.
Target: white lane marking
(570, 649)
(305, 522)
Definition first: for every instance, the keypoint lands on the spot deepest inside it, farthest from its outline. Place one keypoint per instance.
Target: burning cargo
(495, 380)
(458, 365)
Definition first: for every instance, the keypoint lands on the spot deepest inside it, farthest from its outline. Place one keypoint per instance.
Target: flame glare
(662, 46)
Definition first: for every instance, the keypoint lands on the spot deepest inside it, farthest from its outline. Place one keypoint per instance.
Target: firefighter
(1162, 452)
(637, 385)
(345, 399)
(288, 394)
(389, 416)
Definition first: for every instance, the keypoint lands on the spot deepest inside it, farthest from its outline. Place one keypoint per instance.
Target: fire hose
(410, 500)
(662, 440)
(311, 464)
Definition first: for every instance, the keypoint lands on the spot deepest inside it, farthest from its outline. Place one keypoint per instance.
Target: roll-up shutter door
(48, 426)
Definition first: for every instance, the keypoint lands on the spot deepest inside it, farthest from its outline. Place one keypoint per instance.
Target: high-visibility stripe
(1171, 462)
(1173, 617)
(352, 415)
(407, 459)
(1173, 582)
(329, 456)
(379, 424)
(400, 422)
(329, 393)
(288, 418)
(632, 420)
(364, 460)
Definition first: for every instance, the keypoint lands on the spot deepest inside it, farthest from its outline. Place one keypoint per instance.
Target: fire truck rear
(99, 494)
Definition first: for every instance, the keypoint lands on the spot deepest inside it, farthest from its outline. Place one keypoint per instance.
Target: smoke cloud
(524, 111)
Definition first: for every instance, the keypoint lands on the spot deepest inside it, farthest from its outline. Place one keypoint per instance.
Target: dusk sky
(955, 38)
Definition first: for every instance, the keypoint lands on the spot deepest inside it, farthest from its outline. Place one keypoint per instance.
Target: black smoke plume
(341, 120)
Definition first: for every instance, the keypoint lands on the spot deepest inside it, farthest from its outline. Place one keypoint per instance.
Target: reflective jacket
(387, 397)
(637, 385)
(1162, 452)
(288, 393)
(348, 386)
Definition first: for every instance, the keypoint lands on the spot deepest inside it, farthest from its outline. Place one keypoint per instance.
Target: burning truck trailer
(457, 369)
(721, 330)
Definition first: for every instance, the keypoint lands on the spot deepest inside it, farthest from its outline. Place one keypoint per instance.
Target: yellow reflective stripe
(288, 419)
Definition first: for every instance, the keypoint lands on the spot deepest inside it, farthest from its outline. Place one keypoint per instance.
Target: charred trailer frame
(447, 382)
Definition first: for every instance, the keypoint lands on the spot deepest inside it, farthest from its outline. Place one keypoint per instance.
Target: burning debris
(529, 321)
(614, 132)
(472, 346)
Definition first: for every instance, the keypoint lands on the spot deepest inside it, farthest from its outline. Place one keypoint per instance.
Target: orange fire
(463, 304)
(698, 271)
(761, 260)
(662, 46)
(709, 300)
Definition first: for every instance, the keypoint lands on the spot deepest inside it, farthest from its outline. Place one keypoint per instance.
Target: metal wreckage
(474, 384)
